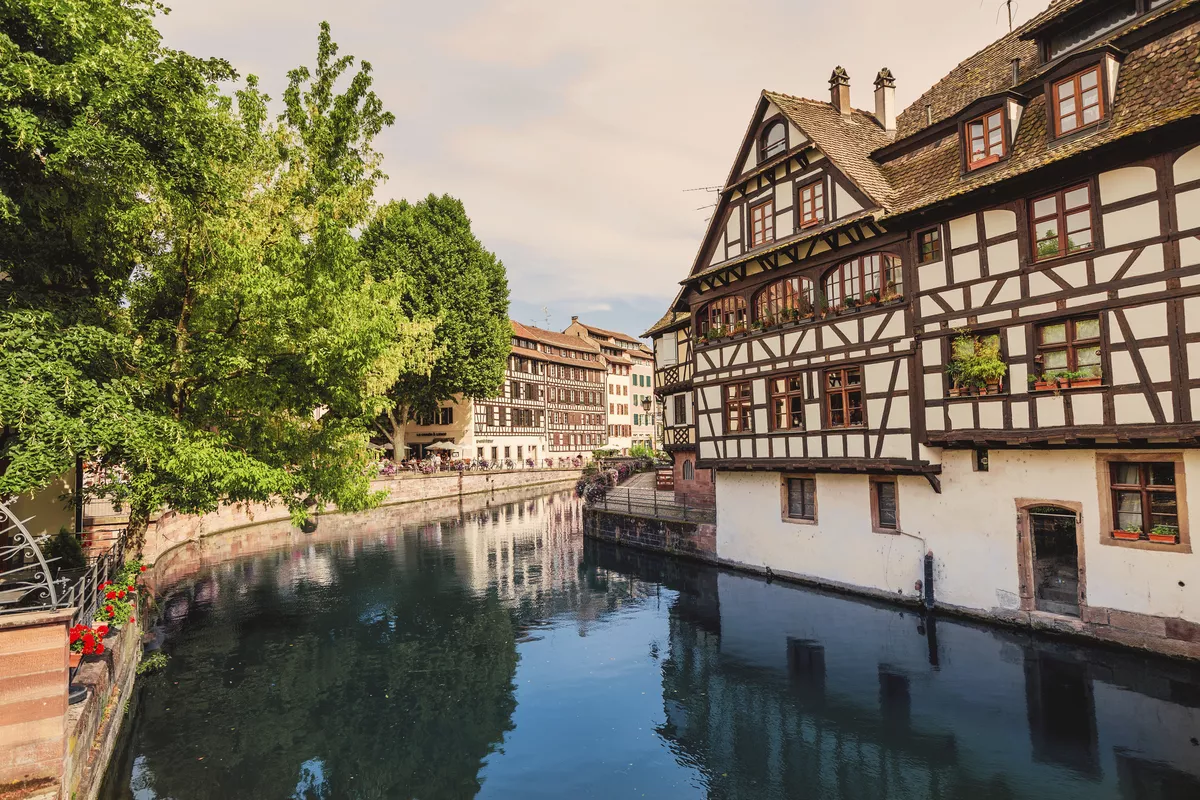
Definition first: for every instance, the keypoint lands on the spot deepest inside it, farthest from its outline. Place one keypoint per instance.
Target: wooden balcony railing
(672, 377)
(679, 436)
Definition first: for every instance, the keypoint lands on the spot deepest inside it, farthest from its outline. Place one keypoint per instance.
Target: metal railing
(29, 583)
(652, 503)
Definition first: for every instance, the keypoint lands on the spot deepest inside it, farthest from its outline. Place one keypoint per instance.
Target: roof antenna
(546, 314)
(1008, 4)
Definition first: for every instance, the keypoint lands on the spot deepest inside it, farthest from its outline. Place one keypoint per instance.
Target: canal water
(498, 654)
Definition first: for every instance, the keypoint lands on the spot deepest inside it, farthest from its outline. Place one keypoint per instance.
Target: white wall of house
(971, 527)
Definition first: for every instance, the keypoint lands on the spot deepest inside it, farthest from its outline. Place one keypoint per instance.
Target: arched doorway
(1052, 577)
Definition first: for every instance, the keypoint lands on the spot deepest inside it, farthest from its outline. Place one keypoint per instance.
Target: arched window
(725, 315)
(867, 279)
(689, 472)
(790, 298)
(772, 141)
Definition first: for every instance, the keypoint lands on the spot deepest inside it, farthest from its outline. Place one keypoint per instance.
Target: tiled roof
(552, 337)
(987, 72)
(611, 334)
(668, 321)
(846, 141)
(1158, 84)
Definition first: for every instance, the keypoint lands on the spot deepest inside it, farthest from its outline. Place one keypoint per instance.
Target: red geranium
(108, 609)
(110, 595)
(142, 568)
(121, 594)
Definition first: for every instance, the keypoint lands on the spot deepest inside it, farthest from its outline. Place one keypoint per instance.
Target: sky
(581, 136)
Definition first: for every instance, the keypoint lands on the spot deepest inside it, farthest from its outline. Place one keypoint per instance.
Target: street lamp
(646, 403)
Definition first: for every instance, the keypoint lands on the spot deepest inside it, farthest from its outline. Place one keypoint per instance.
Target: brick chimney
(885, 99)
(839, 91)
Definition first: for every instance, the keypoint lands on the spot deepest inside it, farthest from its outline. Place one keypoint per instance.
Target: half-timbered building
(969, 329)
(630, 382)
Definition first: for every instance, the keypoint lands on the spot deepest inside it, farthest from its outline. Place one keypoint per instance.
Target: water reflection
(498, 654)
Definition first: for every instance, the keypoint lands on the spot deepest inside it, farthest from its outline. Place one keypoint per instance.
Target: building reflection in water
(777, 692)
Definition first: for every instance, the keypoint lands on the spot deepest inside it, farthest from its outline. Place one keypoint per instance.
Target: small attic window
(984, 139)
(1111, 18)
(773, 140)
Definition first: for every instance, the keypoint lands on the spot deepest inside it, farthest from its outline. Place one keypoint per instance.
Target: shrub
(152, 663)
(65, 547)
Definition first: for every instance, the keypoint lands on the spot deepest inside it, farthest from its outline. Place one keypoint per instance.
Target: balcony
(675, 378)
(682, 438)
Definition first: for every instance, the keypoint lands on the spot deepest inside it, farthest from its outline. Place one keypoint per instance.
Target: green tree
(183, 299)
(445, 272)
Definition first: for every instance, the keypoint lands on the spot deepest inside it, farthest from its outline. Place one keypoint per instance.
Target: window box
(1164, 538)
(1083, 383)
(1127, 536)
(1046, 385)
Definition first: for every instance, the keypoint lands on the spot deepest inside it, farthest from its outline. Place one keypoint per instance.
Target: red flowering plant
(86, 640)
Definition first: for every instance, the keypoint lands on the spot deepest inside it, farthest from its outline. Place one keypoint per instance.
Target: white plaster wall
(971, 527)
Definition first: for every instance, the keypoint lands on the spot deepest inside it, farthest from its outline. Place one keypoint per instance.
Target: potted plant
(1082, 380)
(954, 373)
(872, 297)
(1045, 383)
(1164, 534)
(1130, 533)
(86, 641)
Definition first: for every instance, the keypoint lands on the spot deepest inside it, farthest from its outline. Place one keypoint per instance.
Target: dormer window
(985, 139)
(1077, 101)
(773, 141)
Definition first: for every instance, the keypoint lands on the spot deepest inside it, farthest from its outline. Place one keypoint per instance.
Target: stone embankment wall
(691, 539)
(173, 530)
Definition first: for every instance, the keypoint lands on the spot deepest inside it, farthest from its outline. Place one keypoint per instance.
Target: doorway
(1054, 546)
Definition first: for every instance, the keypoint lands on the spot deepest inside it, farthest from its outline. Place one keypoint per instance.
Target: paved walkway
(643, 480)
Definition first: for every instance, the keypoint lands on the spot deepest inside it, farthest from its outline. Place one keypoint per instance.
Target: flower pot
(956, 391)
(992, 388)
(1083, 383)
(1164, 538)
(76, 658)
(1128, 536)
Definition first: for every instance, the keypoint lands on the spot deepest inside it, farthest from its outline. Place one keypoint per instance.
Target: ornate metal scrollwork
(26, 582)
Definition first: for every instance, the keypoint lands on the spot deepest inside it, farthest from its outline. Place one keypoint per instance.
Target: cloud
(571, 130)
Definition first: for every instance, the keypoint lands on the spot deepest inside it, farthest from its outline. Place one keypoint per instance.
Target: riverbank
(698, 542)
(172, 530)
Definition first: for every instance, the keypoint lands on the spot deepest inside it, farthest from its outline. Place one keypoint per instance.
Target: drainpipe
(929, 580)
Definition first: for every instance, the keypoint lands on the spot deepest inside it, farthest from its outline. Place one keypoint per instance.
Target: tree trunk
(395, 434)
(139, 521)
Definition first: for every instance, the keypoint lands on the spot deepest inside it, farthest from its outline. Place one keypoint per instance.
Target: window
(1144, 500)
(778, 300)
(689, 471)
(885, 511)
(787, 403)
(773, 141)
(1108, 20)
(800, 499)
(985, 139)
(876, 276)
(812, 204)
(680, 410)
(1062, 222)
(762, 223)
(724, 315)
(1077, 101)
(737, 408)
(1071, 347)
(929, 245)
(843, 397)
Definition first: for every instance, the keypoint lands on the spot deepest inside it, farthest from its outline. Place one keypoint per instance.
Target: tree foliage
(184, 301)
(444, 272)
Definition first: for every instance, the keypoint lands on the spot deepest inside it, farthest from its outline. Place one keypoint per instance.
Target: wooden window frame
(1076, 81)
(770, 125)
(1061, 212)
(989, 157)
(844, 392)
(935, 252)
(873, 482)
(816, 193)
(724, 307)
(767, 208)
(744, 405)
(787, 395)
(1071, 344)
(1104, 463)
(785, 507)
(680, 408)
(854, 273)
(783, 294)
